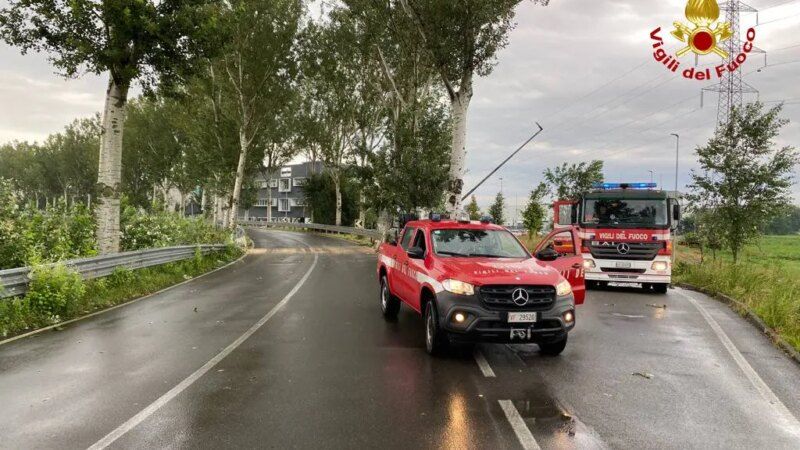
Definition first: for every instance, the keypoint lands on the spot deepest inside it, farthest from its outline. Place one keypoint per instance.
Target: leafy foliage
(535, 213)
(154, 40)
(54, 291)
(744, 179)
(320, 193)
(786, 223)
(141, 230)
(29, 235)
(570, 181)
(473, 210)
(496, 210)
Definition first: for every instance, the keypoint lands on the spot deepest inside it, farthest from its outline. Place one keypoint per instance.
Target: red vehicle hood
(481, 271)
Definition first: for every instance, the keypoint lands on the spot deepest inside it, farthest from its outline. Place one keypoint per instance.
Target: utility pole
(669, 213)
(651, 176)
(731, 88)
(677, 154)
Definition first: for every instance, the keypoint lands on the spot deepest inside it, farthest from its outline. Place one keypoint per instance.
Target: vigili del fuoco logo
(704, 35)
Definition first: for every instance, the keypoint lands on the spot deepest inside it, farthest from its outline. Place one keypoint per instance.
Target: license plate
(522, 317)
(623, 265)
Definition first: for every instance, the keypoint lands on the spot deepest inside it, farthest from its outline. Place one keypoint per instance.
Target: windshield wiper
(446, 253)
(486, 255)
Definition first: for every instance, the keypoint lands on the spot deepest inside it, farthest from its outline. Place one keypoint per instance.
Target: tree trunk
(237, 184)
(337, 183)
(109, 173)
(361, 212)
(458, 149)
(269, 201)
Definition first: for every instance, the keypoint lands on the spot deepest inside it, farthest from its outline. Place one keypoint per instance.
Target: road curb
(751, 317)
(97, 313)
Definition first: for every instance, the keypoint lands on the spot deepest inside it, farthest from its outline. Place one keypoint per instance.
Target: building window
(286, 171)
(262, 202)
(299, 181)
(283, 205)
(285, 185)
(264, 184)
(298, 201)
(273, 183)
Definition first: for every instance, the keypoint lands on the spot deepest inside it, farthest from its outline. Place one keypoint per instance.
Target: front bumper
(491, 325)
(634, 271)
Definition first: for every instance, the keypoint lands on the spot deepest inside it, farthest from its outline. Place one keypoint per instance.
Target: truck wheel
(591, 285)
(553, 348)
(390, 305)
(660, 288)
(435, 339)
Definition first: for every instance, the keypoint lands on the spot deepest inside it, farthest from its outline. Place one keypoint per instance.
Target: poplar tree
(145, 40)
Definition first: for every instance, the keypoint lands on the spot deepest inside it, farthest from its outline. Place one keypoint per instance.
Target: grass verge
(57, 295)
(771, 292)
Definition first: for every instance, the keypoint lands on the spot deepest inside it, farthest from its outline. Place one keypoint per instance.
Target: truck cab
(475, 281)
(626, 232)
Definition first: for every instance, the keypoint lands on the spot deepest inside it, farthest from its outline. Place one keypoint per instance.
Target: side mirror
(416, 253)
(676, 212)
(547, 254)
(392, 242)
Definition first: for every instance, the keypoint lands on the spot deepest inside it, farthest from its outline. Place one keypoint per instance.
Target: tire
(435, 338)
(390, 305)
(660, 288)
(553, 348)
(591, 285)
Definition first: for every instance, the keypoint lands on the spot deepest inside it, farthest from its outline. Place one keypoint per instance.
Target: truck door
(401, 282)
(416, 267)
(561, 250)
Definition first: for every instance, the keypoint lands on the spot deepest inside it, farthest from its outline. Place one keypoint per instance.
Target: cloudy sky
(557, 58)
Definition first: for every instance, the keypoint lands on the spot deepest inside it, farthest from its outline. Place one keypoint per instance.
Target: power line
(598, 89)
(777, 20)
(775, 5)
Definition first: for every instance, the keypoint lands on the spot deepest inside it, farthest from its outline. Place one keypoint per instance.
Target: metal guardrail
(14, 282)
(372, 234)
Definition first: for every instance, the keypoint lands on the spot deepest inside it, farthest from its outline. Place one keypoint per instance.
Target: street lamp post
(651, 176)
(677, 153)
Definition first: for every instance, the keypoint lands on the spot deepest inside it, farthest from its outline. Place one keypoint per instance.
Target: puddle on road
(553, 425)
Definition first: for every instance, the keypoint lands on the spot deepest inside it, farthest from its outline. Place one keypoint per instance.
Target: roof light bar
(625, 185)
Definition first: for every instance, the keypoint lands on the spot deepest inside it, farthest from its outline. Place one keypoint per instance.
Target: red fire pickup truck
(475, 282)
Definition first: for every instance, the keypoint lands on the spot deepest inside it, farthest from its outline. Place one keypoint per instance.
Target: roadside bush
(141, 230)
(28, 234)
(54, 292)
(121, 276)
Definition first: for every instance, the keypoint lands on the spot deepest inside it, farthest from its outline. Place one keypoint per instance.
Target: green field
(766, 279)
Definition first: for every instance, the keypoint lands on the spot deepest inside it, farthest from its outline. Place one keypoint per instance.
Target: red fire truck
(626, 233)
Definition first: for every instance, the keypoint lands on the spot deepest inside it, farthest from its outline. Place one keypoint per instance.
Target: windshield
(620, 212)
(477, 243)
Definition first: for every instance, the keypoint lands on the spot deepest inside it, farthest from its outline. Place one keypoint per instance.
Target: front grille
(618, 270)
(500, 297)
(637, 251)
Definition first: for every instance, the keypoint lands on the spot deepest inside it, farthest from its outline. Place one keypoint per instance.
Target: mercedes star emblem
(520, 297)
(623, 248)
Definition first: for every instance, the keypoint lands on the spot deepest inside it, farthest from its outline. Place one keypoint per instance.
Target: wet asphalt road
(326, 371)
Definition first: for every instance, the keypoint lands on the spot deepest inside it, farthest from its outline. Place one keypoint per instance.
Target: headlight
(458, 287)
(659, 265)
(563, 288)
(588, 264)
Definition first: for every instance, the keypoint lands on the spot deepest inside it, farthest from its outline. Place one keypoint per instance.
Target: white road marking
(792, 425)
(522, 431)
(188, 381)
(483, 364)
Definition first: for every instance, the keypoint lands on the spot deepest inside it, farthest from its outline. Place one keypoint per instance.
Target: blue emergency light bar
(625, 185)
